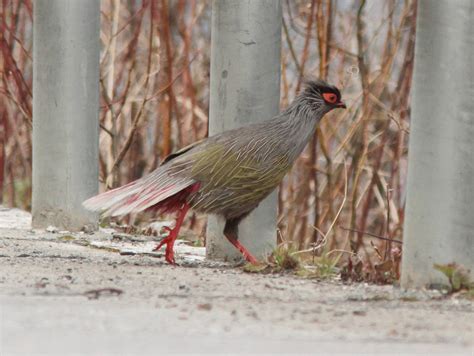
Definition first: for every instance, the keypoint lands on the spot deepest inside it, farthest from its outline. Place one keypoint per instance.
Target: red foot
(169, 241)
(247, 255)
(173, 234)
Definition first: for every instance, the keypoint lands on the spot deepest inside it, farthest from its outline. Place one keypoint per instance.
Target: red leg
(173, 234)
(231, 231)
(247, 255)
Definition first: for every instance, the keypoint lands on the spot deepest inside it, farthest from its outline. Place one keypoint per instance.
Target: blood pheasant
(228, 174)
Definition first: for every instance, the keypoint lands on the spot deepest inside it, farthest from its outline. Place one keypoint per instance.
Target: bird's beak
(341, 105)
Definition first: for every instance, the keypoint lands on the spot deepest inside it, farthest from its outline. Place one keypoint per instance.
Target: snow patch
(12, 218)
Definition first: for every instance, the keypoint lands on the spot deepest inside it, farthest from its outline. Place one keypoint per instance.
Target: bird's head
(321, 96)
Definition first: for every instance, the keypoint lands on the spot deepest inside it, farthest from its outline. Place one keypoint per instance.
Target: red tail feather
(158, 190)
(174, 202)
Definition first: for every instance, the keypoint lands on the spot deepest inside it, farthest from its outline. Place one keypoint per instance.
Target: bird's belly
(233, 191)
(230, 203)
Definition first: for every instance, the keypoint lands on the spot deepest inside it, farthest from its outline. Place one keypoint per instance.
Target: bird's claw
(169, 254)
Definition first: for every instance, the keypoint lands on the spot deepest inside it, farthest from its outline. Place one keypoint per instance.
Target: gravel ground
(83, 294)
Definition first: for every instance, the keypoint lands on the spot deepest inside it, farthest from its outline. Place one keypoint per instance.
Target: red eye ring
(330, 98)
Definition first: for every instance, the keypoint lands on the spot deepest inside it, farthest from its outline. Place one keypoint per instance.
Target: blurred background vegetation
(346, 194)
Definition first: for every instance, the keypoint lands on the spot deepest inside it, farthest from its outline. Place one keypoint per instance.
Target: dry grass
(154, 99)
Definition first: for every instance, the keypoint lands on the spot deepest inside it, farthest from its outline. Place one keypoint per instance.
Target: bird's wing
(234, 163)
(181, 151)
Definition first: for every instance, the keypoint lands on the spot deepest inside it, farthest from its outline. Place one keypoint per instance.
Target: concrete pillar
(245, 88)
(439, 225)
(65, 111)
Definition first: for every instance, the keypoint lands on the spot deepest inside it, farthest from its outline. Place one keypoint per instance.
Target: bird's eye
(330, 97)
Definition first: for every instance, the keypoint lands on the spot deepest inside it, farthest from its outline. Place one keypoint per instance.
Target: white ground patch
(14, 218)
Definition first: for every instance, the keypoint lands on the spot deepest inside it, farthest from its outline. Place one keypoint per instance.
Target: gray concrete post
(65, 111)
(439, 225)
(245, 88)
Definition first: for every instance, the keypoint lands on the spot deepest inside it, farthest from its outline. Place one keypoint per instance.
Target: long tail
(139, 195)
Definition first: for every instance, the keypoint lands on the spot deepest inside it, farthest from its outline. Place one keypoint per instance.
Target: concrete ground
(80, 294)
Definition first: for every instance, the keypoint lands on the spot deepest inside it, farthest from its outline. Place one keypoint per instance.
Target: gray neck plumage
(299, 122)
